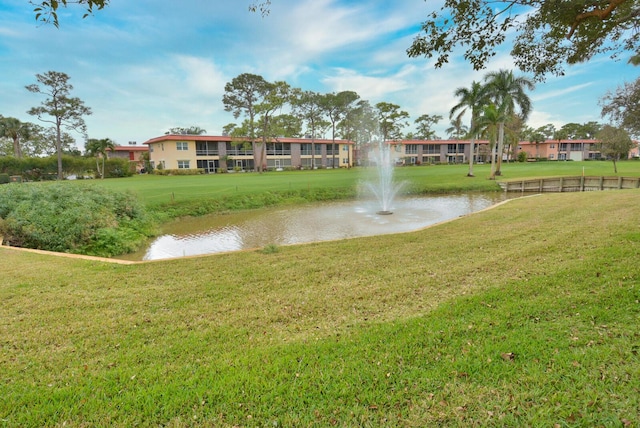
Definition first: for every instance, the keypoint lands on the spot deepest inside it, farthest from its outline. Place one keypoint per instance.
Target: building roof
(223, 138)
(460, 141)
(131, 148)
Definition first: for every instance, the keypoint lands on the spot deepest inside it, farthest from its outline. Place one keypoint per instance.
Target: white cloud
(147, 65)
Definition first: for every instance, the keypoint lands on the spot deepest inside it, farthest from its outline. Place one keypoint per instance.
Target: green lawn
(523, 315)
(162, 190)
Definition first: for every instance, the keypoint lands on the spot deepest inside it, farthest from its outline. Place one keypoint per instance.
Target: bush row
(185, 171)
(76, 218)
(41, 169)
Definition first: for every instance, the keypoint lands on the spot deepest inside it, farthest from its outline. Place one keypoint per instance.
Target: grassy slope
(526, 314)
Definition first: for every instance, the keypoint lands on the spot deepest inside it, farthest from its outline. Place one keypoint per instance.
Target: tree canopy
(623, 106)
(59, 109)
(47, 11)
(549, 34)
(615, 144)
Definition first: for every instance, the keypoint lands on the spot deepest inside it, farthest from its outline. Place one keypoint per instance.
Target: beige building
(222, 153)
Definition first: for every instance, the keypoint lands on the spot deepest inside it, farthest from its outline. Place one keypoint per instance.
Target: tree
(65, 111)
(549, 34)
(488, 125)
(336, 107)
(424, 124)
(457, 130)
(192, 130)
(359, 124)
(14, 129)
(591, 129)
(274, 96)
(100, 149)
(508, 91)
(287, 125)
(473, 99)
(308, 106)
(623, 107)
(391, 120)
(614, 144)
(512, 131)
(536, 136)
(47, 11)
(241, 97)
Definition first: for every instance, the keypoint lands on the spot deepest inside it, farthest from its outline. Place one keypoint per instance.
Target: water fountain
(383, 186)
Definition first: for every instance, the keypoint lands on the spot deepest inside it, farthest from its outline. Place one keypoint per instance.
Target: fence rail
(571, 184)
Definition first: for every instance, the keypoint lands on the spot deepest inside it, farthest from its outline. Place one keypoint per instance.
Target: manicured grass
(163, 191)
(523, 315)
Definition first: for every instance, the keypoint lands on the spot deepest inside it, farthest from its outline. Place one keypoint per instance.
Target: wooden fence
(571, 184)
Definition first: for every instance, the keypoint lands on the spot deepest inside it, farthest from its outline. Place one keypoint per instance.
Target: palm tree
(473, 99)
(15, 129)
(488, 125)
(507, 91)
(99, 148)
(457, 130)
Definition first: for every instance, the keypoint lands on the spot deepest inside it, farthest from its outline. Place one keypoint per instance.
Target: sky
(144, 66)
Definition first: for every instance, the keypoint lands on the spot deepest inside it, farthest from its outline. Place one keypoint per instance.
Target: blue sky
(144, 66)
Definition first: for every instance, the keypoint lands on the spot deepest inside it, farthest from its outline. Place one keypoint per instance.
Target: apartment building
(223, 153)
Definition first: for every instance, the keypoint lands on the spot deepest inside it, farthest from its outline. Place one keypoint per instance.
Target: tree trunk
(59, 150)
(492, 176)
(17, 151)
(500, 148)
(471, 148)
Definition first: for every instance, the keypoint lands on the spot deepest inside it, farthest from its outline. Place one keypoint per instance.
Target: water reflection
(309, 223)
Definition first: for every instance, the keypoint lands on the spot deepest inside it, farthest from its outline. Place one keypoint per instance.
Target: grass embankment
(523, 315)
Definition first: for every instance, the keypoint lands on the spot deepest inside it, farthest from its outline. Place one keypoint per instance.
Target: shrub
(522, 156)
(4, 178)
(179, 171)
(72, 217)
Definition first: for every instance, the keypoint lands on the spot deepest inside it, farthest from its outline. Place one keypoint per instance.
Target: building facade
(416, 152)
(222, 153)
(133, 152)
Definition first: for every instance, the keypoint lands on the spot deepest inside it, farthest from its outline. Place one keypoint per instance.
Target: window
(576, 147)
(276, 149)
(552, 146)
(182, 146)
(183, 164)
(206, 148)
(431, 149)
(305, 149)
(411, 149)
(239, 149)
(151, 148)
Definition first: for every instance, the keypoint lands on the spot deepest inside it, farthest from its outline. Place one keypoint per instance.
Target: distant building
(132, 152)
(409, 152)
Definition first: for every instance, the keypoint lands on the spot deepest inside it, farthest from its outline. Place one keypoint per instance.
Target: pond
(307, 223)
